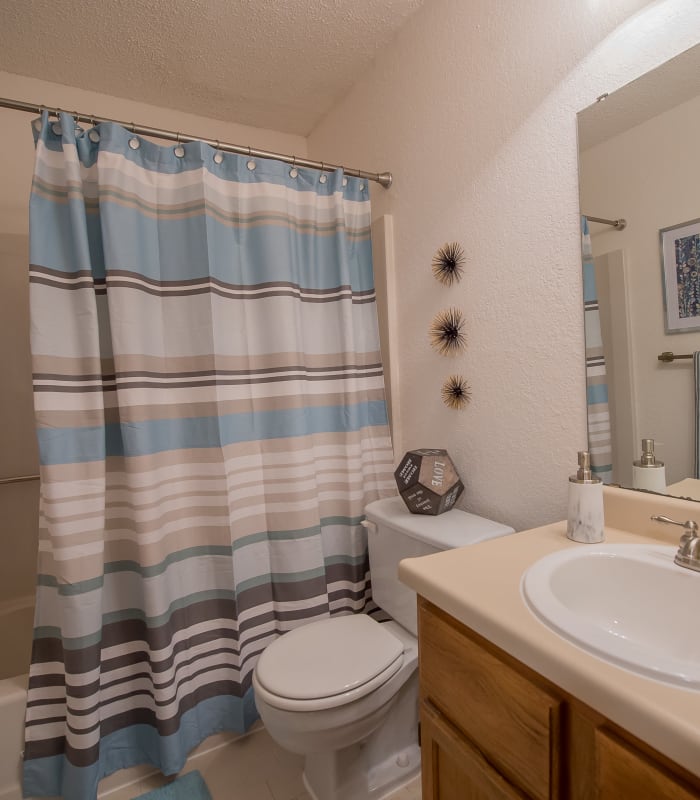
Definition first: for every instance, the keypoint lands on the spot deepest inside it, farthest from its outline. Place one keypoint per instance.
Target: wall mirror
(639, 161)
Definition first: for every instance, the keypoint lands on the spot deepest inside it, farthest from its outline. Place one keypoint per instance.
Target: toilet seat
(327, 663)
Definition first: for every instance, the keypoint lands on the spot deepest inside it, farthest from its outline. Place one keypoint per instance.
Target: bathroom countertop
(480, 586)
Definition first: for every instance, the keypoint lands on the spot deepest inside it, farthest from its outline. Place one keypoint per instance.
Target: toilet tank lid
(455, 528)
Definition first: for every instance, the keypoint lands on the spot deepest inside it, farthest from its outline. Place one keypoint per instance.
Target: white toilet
(343, 691)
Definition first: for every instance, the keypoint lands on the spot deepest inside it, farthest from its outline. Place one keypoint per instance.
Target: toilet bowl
(343, 691)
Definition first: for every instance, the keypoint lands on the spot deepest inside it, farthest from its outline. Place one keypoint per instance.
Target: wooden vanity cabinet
(493, 729)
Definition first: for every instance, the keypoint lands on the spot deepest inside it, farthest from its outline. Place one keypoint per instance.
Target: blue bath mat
(189, 786)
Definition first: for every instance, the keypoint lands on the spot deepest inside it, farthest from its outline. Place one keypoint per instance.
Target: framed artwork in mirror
(680, 265)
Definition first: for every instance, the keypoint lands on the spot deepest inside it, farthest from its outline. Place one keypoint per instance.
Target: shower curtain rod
(618, 224)
(19, 479)
(382, 178)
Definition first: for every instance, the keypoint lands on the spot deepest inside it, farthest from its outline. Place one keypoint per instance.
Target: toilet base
(382, 763)
(391, 779)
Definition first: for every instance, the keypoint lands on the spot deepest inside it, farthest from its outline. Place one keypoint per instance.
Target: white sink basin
(628, 604)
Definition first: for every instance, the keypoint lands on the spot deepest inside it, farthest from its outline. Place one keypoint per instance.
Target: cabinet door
(515, 723)
(623, 772)
(452, 768)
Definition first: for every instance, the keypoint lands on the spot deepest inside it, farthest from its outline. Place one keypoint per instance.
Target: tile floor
(251, 768)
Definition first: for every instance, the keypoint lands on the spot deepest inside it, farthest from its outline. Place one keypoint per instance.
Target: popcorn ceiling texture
(473, 108)
(271, 64)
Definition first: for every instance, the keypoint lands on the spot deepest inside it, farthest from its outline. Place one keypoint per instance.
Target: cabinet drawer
(625, 772)
(512, 721)
(452, 768)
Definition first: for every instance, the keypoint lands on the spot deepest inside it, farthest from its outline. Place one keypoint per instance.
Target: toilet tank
(394, 533)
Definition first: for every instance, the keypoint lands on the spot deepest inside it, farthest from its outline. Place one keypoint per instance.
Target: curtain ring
(133, 128)
(249, 153)
(294, 161)
(178, 137)
(323, 167)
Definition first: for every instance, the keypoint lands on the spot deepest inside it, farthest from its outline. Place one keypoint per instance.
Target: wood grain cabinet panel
(515, 723)
(454, 769)
(624, 772)
(492, 729)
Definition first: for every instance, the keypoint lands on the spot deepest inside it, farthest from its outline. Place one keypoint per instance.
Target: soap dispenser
(585, 519)
(648, 473)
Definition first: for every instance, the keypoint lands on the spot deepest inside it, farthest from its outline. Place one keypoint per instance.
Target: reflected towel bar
(19, 479)
(668, 356)
(618, 224)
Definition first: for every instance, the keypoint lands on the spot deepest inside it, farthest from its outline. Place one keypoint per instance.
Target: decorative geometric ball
(428, 481)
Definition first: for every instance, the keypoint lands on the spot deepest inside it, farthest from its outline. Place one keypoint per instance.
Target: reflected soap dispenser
(585, 519)
(648, 473)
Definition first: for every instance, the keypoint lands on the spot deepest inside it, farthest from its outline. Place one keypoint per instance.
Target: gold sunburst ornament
(447, 332)
(448, 263)
(456, 392)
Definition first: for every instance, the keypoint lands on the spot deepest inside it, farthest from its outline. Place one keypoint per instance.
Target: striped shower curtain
(211, 422)
(598, 411)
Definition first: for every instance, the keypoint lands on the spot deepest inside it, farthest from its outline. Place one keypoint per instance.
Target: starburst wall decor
(447, 332)
(448, 263)
(456, 392)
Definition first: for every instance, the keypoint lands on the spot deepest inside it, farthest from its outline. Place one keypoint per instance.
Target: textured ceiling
(279, 64)
(660, 90)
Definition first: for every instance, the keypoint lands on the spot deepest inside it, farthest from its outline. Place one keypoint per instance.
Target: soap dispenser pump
(585, 519)
(649, 473)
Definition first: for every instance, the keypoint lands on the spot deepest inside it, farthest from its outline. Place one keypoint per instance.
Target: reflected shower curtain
(211, 422)
(599, 432)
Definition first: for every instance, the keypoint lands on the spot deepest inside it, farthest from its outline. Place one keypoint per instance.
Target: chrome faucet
(688, 554)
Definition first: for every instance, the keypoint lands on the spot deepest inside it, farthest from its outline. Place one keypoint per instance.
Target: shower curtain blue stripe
(211, 420)
(81, 444)
(128, 746)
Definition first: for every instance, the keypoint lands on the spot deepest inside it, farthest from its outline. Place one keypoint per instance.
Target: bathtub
(16, 620)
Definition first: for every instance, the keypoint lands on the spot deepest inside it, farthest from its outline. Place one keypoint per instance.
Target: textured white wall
(650, 176)
(473, 108)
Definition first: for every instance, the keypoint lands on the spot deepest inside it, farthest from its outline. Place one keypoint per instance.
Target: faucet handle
(688, 554)
(691, 527)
